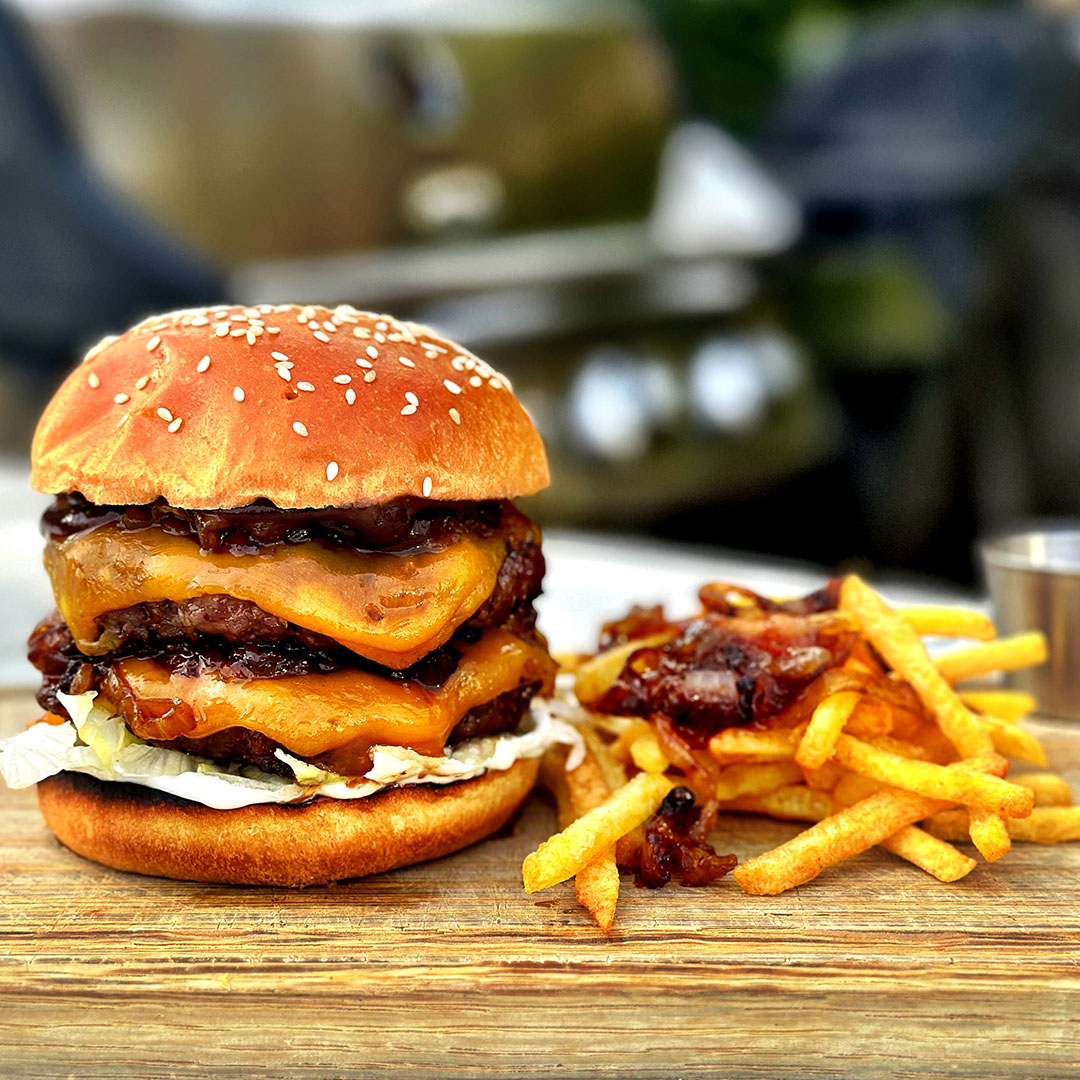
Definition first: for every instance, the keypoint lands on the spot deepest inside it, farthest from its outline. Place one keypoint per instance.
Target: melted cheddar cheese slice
(392, 609)
(336, 717)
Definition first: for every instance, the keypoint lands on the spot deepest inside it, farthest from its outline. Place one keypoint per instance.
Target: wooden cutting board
(872, 970)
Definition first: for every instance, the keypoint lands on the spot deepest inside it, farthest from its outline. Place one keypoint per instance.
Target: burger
(295, 639)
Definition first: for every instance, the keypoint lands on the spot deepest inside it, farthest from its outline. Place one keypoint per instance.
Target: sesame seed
(238, 332)
(332, 471)
(372, 352)
(165, 415)
(222, 330)
(174, 427)
(427, 486)
(141, 381)
(273, 329)
(411, 398)
(380, 338)
(369, 376)
(329, 327)
(119, 399)
(252, 337)
(93, 381)
(238, 318)
(475, 380)
(238, 393)
(361, 362)
(153, 343)
(455, 416)
(350, 395)
(203, 364)
(200, 320)
(304, 386)
(381, 325)
(452, 386)
(320, 336)
(405, 361)
(278, 356)
(299, 428)
(343, 379)
(252, 312)
(408, 410)
(361, 332)
(285, 373)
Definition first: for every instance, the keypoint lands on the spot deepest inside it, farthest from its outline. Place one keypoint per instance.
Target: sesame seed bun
(305, 407)
(142, 830)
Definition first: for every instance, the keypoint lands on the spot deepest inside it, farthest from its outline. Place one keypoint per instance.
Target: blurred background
(784, 276)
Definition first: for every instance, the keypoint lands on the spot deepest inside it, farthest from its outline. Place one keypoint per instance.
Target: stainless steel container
(1034, 581)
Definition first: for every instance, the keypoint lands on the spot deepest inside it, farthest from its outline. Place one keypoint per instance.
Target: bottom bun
(130, 827)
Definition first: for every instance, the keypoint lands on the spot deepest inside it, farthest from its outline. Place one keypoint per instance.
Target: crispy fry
(553, 777)
(1005, 654)
(844, 834)
(852, 787)
(763, 745)
(824, 778)
(628, 847)
(825, 725)
(756, 778)
(929, 853)
(594, 677)
(596, 887)
(949, 622)
(871, 717)
(1046, 825)
(564, 854)
(988, 834)
(905, 654)
(934, 781)
(1014, 741)
(793, 803)
(1007, 705)
(633, 731)
(1049, 789)
(646, 754)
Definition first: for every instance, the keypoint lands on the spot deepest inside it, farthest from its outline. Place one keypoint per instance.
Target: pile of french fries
(882, 750)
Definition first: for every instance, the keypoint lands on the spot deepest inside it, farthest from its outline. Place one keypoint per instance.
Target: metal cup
(1034, 581)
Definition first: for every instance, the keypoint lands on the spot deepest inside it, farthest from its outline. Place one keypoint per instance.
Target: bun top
(304, 406)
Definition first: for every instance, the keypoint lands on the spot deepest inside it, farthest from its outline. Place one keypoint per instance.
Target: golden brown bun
(139, 829)
(145, 415)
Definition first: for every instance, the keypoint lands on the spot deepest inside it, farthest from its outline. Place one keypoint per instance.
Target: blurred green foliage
(734, 55)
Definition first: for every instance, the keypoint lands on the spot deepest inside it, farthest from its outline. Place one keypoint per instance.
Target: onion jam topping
(406, 525)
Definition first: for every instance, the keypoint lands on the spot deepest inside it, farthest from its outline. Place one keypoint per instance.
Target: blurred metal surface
(259, 130)
(1034, 581)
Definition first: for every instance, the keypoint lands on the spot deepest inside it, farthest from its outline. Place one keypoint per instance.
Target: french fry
(628, 847)
(844, 834)
(871, 717)
(565, 853)
(736, 743)
(988, 834)
(825, 725)
(594, 677)
(1007, 705)
(646, 754)
(587, 785)
(1005, 654)
(824, 778)
(756, 778)
(904, 653)
(793, 803)
(633, 731)
(596, 887)
(1049, 789)
(949, 622)
(929, 853)
(934, 781)
(851, 788)
(1046, 825)
(1013, 741)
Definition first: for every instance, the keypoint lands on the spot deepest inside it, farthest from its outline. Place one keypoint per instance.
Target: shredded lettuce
(98, 743)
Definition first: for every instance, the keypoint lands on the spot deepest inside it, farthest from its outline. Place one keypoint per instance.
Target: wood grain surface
(872, 970)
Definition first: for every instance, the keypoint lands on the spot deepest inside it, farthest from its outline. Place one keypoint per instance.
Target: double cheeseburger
(295, 639)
